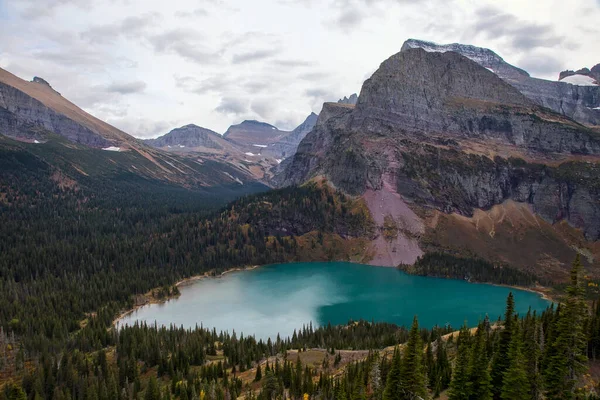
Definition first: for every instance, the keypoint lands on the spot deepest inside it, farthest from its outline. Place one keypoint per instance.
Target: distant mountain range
(36, 120)
(258, 145)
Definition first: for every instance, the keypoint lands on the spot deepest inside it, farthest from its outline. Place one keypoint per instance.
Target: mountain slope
(252, 133)
(436, 134)
(582, 103)
(192, 138)
(67, 138)
(38, 104)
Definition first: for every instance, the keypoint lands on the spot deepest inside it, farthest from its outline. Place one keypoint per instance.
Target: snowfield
(250, 154)
(579, 80)
(260, 145)
(112, 148)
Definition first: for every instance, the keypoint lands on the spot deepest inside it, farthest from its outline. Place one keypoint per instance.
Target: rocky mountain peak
(349, 100)
(37, 79)
(415, 87)
(578, 98)
(481, 55)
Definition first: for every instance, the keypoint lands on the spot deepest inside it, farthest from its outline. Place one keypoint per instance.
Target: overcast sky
(147, 66)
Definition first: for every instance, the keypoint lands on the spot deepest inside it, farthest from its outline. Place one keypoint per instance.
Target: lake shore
(543, 291)
(151, 299)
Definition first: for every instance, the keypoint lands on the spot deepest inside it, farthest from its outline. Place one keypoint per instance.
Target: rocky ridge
(581, 103)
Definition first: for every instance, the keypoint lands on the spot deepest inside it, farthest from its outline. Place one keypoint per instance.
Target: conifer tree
(480, 379)
(392, 384)
(412, 370)
(443, 370)
(258, 375)
(516, 383)
(568, 359)
(152, 391)
(500, 362)
(532, 352)
(459, 386)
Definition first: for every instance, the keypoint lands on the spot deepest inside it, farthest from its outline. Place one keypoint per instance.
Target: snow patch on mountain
(580, 80)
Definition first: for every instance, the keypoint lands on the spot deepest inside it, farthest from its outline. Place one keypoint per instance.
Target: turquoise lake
(280, 298)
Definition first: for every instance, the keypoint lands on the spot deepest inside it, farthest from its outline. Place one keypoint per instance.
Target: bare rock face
(446, 133)
(23, 114)
(349, 100)
(581, 103)
(287, 145)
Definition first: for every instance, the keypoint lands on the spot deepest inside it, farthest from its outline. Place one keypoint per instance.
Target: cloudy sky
(147, 66)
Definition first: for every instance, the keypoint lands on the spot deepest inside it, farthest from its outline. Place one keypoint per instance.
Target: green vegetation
(75, 252)
(471, 269)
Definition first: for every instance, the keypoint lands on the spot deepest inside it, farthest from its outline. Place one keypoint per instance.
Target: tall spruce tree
(532, 353)
(460, 384)
(500, 362)
(479, 373)
(392, 384)
(516, 384)
(412, 369)
(568, 358)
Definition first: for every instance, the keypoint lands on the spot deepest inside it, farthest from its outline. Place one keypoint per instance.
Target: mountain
(349, 100)
(191, 138)
(576, 101)
(450, 157)
(594, 73)
(286, 146)
(253, 133)
(38, 123)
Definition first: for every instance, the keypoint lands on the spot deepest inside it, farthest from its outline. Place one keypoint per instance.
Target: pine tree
(532, 352)
(392, 384)
(459, 386)
(480, 379)
(516, 384)
(568, 359)
(501, 361)
(443, 370)
(258, 375)
(412, 369)
(152, 391)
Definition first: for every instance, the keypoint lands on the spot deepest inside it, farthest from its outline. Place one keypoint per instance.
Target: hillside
(36, 119)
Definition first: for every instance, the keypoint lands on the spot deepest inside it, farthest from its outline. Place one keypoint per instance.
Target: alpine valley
(449, 163)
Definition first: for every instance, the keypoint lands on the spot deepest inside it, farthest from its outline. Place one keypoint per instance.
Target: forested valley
(75, 254)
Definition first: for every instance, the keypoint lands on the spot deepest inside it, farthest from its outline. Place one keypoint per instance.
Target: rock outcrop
(581, 103)
(447, 134)
(287, 145)
(349, 100)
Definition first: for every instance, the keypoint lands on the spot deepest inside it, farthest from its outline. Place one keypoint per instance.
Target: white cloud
(150, 65)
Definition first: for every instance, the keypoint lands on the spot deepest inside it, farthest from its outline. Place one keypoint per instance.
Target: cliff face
(21, 113)
(34, 107)
(440, 132)
(581, 103)
(287, 145)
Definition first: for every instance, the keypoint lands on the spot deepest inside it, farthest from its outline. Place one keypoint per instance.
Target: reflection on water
(280, 298)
